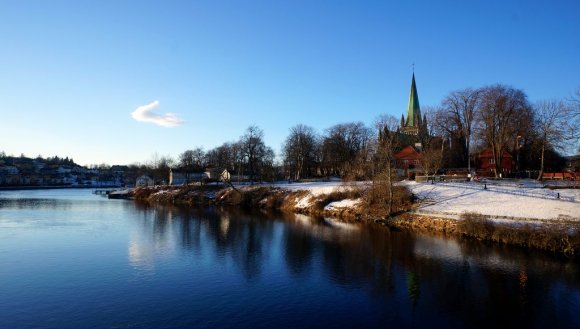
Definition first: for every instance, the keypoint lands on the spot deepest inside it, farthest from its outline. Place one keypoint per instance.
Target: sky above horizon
(118, 81)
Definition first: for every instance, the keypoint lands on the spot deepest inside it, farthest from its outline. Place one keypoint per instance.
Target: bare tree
(431, 159)
(503, 113)
(253, 149)
(159, 166)
(573, 124)
(341, 146)
(192, 159)
(551, 123)
(300, 150)
(460, 108)
(223, 157)
(388, 142)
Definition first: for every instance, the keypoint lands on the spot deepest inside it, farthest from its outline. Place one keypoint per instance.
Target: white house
(144, 181)
(184, 178)
(219, 175)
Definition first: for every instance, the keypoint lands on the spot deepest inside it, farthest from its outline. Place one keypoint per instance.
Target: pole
(518, 156)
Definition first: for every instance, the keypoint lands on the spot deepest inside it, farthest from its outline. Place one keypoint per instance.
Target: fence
(513, 189)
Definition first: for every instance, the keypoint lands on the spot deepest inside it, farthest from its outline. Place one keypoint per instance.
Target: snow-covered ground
(315, 188)
(505, 200)
(516, 201)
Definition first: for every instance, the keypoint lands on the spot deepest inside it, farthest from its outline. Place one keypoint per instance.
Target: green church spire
(413, 109)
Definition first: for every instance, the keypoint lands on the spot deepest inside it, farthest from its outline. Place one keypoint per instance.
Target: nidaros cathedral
(414, 126)
(415, 139)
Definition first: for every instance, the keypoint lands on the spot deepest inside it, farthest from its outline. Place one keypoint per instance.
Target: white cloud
(145, 113)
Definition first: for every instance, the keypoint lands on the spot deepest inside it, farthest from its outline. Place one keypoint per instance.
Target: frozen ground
(525, 200)
(503, 200)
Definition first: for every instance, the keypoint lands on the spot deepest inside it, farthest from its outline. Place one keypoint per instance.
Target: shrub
(377, 197)
(475, 225)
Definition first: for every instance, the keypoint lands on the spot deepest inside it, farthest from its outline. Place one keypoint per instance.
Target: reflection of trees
(413, 287)
(461, 283)
(299, 245)
(470, 284)
(241, 237)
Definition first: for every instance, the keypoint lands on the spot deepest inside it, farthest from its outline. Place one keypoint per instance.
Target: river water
(70, 259)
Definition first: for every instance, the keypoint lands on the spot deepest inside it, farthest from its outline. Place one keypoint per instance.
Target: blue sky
(73, 72)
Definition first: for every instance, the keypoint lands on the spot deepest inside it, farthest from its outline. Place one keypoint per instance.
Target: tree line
(501, 118)
(497, 117)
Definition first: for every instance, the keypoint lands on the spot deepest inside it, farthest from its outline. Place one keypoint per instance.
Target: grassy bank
(562, 237)
(556, 237)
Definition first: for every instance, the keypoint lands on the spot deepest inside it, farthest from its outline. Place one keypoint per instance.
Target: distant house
(38, 165)
(218, 175)
(9, 170)
(485, 163)
(144, 181)
(573, 163)
(9, 175)
(184, 178)
(64, 170)
(408, 161)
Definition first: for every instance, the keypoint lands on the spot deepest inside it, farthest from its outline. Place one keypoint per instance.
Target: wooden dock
(121, 194)
(102, 192)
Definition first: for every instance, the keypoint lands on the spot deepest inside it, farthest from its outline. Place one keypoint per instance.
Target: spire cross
(413, 68)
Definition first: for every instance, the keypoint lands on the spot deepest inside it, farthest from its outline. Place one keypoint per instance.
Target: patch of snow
(504, 201)
(348, 203)
(304, 202)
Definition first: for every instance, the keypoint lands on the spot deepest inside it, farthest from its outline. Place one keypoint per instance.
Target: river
(71, 259)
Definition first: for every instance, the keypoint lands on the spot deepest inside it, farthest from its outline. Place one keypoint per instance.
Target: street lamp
(518, 156)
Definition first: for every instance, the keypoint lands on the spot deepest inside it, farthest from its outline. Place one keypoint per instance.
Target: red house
(408, 161)
(485, 162)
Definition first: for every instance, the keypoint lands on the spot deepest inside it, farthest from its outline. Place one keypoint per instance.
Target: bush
(476, 225)
(377, 198)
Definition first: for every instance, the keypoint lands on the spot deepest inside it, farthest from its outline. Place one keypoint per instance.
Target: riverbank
(349, 202)
(522, 215)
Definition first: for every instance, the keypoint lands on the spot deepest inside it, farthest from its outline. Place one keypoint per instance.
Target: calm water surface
(70, 259)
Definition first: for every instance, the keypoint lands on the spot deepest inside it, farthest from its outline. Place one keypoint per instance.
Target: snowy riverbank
(500, 200)
(522, 213)
(519, 213)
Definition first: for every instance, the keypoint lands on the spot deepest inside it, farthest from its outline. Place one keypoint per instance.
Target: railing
(494, 186)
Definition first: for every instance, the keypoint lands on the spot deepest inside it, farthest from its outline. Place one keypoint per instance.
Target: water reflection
(418, 279)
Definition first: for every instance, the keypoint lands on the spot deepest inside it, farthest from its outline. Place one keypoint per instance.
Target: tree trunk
(390, 184)
(494, 156)
(468, 156)
(541, 174)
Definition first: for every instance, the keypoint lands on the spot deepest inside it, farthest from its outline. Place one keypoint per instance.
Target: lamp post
(518, 156)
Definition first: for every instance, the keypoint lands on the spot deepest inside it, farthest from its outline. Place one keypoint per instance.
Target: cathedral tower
(412, 124)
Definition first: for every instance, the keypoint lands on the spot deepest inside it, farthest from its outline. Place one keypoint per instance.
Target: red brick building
(408, 161)
(485, 163)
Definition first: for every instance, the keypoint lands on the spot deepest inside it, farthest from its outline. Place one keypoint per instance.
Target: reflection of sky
(224, 225)
(141, 255)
